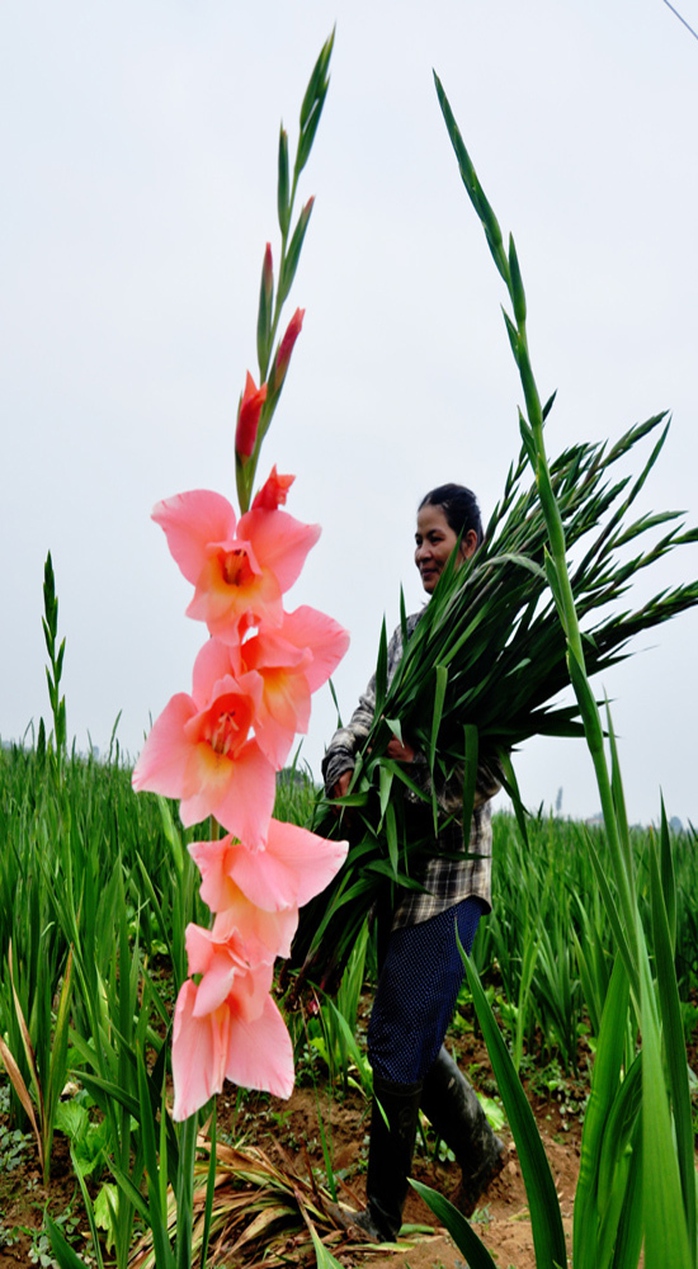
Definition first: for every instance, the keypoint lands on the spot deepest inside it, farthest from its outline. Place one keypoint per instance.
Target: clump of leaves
(483, 670)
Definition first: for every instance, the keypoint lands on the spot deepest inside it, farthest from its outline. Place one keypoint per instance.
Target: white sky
(138, 146)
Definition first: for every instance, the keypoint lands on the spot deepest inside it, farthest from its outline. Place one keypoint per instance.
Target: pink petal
(199, 1053)
(164, 761)
(192, 521)
(218, 890)
(270, 650)
(296, 865)
(199, 947)
(216, 984)
(266, 934)
(213, 663)
(232, 590)
(260, 1053)
(324, 637)
(214, 676)
(280, 542)
(246, 801)
(231, 969)
(285, 711)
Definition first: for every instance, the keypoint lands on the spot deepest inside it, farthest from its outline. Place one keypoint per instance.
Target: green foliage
(486, 663)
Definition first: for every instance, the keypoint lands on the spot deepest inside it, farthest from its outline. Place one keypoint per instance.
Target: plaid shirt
(450, 874)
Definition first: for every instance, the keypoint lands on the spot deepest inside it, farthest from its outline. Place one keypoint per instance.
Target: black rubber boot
(393, 1130)
(452, 1107)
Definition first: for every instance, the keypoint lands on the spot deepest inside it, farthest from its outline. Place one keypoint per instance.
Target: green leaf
(441, 673)
(461, 1231)
(316, 84)
(66, 1257)
(471, 750)
(289, 264)
(475, 192)
(666, 1237)
(382, 670)
(606, 1080)
(323, 1258)
(546, 1219)
(674, 1044)
(512, 788)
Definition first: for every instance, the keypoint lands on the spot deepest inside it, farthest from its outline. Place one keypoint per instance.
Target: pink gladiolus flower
(327, 641)
(285, 348)
(227, 1027)
(239, 570)
(249, 410)
(264, 933)
(200, 750)
(273, 493)
(293, 865)
(292, 662)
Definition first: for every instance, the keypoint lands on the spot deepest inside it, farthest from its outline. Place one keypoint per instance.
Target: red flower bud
(273, 493)
(283, 355)
(249, 410)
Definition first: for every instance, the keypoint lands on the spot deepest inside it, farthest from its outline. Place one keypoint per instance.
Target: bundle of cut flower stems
(484, 671)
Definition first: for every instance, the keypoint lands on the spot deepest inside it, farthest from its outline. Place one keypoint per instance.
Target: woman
(421, 970)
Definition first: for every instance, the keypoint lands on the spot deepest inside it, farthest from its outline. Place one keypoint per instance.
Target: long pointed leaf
(461, 1231)
(546, 1219)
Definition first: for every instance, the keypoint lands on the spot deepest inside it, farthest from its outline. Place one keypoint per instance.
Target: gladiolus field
(97, 887)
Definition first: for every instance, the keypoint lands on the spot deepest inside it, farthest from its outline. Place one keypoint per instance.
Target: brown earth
(290, 1134)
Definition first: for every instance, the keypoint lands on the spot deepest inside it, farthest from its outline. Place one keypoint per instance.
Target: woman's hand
(341, 788)
(401, 753)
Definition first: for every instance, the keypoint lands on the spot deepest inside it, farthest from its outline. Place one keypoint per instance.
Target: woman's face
(435, 541)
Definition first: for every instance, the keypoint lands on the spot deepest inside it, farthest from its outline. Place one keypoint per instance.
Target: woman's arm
(339, 760)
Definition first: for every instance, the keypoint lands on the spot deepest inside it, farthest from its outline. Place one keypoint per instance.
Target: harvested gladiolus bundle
(484, 668)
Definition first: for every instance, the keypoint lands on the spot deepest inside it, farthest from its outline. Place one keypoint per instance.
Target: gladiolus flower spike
(218, 748)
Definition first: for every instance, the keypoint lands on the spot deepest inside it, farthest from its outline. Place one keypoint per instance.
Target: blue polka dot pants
(417, 991)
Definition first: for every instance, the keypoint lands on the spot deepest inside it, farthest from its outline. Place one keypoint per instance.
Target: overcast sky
(138, 160)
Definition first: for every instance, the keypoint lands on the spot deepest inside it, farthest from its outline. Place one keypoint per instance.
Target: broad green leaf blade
(546, 1218)
(471, 750)
(674, 1044)
(441, 673)
(475, 192)
(461, 1231)
(323, 1258)
(604, 1088)
(382, 670)
(65, 1256)
(668, 875)
(666, 1238)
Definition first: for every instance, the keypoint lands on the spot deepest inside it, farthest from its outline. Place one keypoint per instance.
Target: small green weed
(14, 1146)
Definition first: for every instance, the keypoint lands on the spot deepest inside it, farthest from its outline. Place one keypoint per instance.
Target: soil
(290, 1134)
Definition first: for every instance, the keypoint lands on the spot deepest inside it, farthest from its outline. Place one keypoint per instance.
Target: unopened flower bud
(249, 410)
(285, 348)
